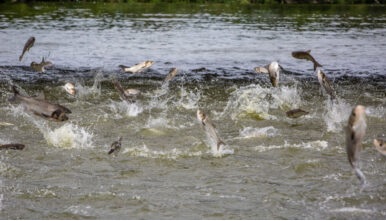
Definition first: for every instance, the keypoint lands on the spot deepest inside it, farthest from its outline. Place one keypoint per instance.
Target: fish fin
(219, 143)
(20, 57)
(261, 70)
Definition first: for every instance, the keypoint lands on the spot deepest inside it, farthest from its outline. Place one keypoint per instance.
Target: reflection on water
(272, 167)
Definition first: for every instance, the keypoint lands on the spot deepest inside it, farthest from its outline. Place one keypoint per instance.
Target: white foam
(318, 145)
(336, 114)
(249, 132)
(188, 100)
(68, 136)
(352, 210)
(124, 108)
(84, 91)
(257, 100)
(144, 151)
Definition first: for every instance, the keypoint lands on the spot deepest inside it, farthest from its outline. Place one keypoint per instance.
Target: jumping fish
(70, 88)
(41, 107)
(325, 83)
(273, 70)
(30, 42)
(12, 146)
(379, 144)
(40, 67)
(128, 94)
(115, 146)
(5, 124)
(172, 73)
(355, 131)
(307, 56)
(295, 113)
(137, 67)
(209, 128)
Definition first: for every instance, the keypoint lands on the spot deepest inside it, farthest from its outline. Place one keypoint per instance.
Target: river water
(272, 166)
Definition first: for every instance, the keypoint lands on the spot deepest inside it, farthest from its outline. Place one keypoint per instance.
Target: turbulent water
(272, 166)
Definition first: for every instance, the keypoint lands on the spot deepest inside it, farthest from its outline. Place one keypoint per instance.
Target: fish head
(149, 63)
(70, 88)
(379, 144)
(201, 115)
(357, 120)
(131, 92)
(59, 115)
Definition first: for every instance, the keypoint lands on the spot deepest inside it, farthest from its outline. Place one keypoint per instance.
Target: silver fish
(115, 146)
(12, 146)
(30, 42)
(5, 124)
(137, 67)
(40, 67)
(307, 56)
(128, 94)
(172, 73)
(295, 113)
(41, 107)
(355, 131)
(325, 83)
(70, 88)
(209, 128)
(273, 69)
(380, 144)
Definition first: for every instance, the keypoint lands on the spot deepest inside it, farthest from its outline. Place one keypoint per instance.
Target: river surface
(272, 166)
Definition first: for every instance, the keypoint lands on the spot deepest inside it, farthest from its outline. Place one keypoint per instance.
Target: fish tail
(14, 90)
(360, 176)
(316, 64)
(20, 57)
(15, 93)
(111, 151)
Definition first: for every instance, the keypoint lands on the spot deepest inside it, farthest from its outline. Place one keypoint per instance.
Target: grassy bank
(219, 1)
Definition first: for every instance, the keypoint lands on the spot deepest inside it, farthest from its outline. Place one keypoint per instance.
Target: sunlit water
(272, 166)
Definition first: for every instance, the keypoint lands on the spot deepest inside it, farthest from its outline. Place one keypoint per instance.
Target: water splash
(249, 132)
(188, 100)
(144, 151)
(83, 92)
(121, 109)
(336, 114)
(68, 136)
(255, 101)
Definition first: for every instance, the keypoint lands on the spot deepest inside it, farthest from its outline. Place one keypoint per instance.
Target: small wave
(249, 132)
(256, 101)
(318, 145)
(144, 151)
(351, 210)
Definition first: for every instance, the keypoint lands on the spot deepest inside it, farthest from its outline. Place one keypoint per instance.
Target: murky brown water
(272, 167)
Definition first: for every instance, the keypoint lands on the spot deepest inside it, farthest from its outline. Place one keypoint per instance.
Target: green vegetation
(241, 2)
